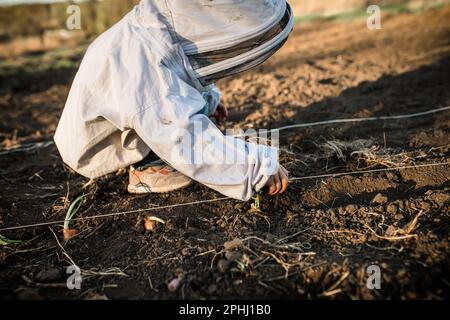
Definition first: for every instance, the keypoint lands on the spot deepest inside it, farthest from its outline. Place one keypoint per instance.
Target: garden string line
(302, 125)
(331, 175)
(379, 118)
(43, 144)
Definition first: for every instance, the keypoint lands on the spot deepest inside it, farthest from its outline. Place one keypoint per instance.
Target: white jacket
(135, 91)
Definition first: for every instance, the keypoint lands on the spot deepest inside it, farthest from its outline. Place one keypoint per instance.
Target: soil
(315, 242)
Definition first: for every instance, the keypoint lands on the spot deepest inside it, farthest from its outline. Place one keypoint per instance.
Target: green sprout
(256, 203)
(73, 209)
(153, 218)
(4, 241)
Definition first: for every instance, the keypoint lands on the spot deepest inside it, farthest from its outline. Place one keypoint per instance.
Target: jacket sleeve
(170, 122)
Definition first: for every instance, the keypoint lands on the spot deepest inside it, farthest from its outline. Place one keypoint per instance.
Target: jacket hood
(223, 37)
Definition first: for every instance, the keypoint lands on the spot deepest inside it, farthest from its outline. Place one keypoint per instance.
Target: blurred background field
(34, 37)
(30, 26)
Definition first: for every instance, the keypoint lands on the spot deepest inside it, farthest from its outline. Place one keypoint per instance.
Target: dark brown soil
(315, 241)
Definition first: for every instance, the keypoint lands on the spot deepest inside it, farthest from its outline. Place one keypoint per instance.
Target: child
(145, 91)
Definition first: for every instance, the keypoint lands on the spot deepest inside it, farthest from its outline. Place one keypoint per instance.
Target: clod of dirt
(29, 294)
(331, 214)
(425, 206)
(392, 209)
(212, 288)
(351, 208)
(439, 198)
(2, 258)
(233, 244)
(390, 231)
(233, 255)
(129, 290)
(185, 251)
(270, 237)
(49, 275)
(96, 296)
(223, 265)
(379, 199)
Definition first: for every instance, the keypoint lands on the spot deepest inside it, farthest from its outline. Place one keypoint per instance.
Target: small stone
(411, 295)
(351, 208)
(233, 244)
(391, 231)
(390, 176)
(425, 206)
(173, 285)
(223, 265)
(401, 273)
(233, 255)
(412, 205)
(2, 258)
(49, 275)
(392, 209)
(180, 273)
(331, 214)
(29, 294)
(440, 199)
(379, 199)
(212, 289)
(270, 237)
(286, 201)
(95, 296)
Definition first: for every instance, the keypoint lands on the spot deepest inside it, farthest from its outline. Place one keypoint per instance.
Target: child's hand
(278, 182)
(221, 113)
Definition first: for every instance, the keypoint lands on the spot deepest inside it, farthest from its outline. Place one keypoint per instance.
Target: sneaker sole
(142, 189)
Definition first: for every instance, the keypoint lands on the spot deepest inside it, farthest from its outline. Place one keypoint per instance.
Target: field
(314, 242)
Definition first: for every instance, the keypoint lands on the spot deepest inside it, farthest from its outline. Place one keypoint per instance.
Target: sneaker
(156, 177)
